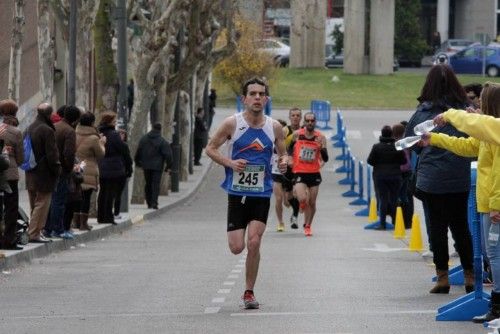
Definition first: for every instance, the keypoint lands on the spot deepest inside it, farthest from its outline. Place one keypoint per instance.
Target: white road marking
(383, 248)
(224, 291)
(239, 265)
(376, 134)
(236, 271)
(218, 300)
(232, 276)
(353, 134)
(228, 283)
(212, 310)
(242, 261)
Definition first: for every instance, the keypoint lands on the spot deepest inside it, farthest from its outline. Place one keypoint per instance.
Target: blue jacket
(439, 171)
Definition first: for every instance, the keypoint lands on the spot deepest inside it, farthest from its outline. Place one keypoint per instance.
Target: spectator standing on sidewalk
(66, 146)
(154, 156)
(90, 149)
(13, 141)
(250, 137)
(212, 103)
(443, 178)
(200, 135)
(386, 162)
(111, 168)
(127, 161)
(41, 180)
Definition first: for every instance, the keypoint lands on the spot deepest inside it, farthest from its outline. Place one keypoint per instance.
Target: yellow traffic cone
(372, 213)
(399, 227)
(415, 235)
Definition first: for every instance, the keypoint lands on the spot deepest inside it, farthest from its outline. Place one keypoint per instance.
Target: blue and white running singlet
(255, 146)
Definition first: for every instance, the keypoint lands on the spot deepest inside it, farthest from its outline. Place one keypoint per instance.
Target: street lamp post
(121, 29)
(72, 52)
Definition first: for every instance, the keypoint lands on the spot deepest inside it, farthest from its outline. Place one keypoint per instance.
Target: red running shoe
(307, 231)
(249, 300)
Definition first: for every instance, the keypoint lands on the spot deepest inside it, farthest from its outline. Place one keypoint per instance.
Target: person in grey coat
(154, 156)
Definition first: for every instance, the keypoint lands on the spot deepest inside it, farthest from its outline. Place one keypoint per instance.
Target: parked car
(470, 60)
(276, 49)
(450, 47)
(337, 61)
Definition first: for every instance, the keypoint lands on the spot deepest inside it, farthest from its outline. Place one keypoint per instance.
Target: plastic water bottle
(424, 127)
(407, 142)
(494, 234)
(494, 324)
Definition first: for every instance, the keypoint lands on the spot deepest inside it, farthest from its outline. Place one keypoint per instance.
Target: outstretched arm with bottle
(482, 127)
(465, 147)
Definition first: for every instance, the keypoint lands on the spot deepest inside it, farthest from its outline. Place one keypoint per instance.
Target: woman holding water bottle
(443, 178)
(488, 176)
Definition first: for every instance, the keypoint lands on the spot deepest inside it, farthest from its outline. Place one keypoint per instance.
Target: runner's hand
(283, 163)
(238, 165)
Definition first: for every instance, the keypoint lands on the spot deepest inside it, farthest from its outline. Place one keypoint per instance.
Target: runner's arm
(279, 144)
(222, 134)
(324, 150)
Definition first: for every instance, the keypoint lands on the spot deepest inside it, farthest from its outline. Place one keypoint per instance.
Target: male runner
(309, 151)
(249, 136)
(295, 116)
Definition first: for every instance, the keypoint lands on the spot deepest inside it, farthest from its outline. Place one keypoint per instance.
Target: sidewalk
(136, 214)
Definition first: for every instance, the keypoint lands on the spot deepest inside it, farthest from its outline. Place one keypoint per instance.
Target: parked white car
(275, 48)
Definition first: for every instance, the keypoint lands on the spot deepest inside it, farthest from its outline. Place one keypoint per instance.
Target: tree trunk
(45, 51)
(144, 96)
(106, 75)
(184, 136)
(16, 50)
(167, 122)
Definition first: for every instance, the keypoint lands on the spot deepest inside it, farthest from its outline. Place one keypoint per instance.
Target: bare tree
(16, 49)
(45, 51)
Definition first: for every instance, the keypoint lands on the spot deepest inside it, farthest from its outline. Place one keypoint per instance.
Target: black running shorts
(309, 179)
(241, 210)
(286, 183)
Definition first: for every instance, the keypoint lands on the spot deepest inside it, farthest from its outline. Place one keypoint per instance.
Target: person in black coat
(153, 152)
(200, 135)
(386, 162)
(112, 168)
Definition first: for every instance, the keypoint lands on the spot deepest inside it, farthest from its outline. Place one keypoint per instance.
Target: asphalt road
(174, 274)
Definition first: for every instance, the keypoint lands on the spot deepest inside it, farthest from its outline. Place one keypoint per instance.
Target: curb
(16, 258)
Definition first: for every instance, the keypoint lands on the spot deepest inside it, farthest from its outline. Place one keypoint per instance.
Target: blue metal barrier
(239, 104)
(476, 302)
(321, 110)
(342, 142)
(345, 164)
(349, 170)
(360, 200)
(342, 156)
(366, 211)
(340, 124)
(352, 181)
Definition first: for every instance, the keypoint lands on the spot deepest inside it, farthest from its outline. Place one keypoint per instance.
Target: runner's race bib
(307, 154)
(249, 180)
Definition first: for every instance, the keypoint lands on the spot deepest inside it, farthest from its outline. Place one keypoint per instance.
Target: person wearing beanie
(13, 146)
(41, 181)
(154, 156)
(66, 144)
(386, 162)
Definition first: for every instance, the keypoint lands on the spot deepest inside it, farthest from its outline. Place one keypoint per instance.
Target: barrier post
(342, 141)
(365, 212)
(339, 126)
(476, 302)
(344, 168)
(342, 156)
(349, 167)
(360, 200)
(352, 181)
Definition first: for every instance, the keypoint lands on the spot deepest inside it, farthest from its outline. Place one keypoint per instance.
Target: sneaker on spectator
(56, 235)
(428, 254)
(67, 235)
(293, 222)
(249, 300)
(118, 216)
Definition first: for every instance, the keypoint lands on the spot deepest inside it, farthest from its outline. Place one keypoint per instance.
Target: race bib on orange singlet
(307, 154)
